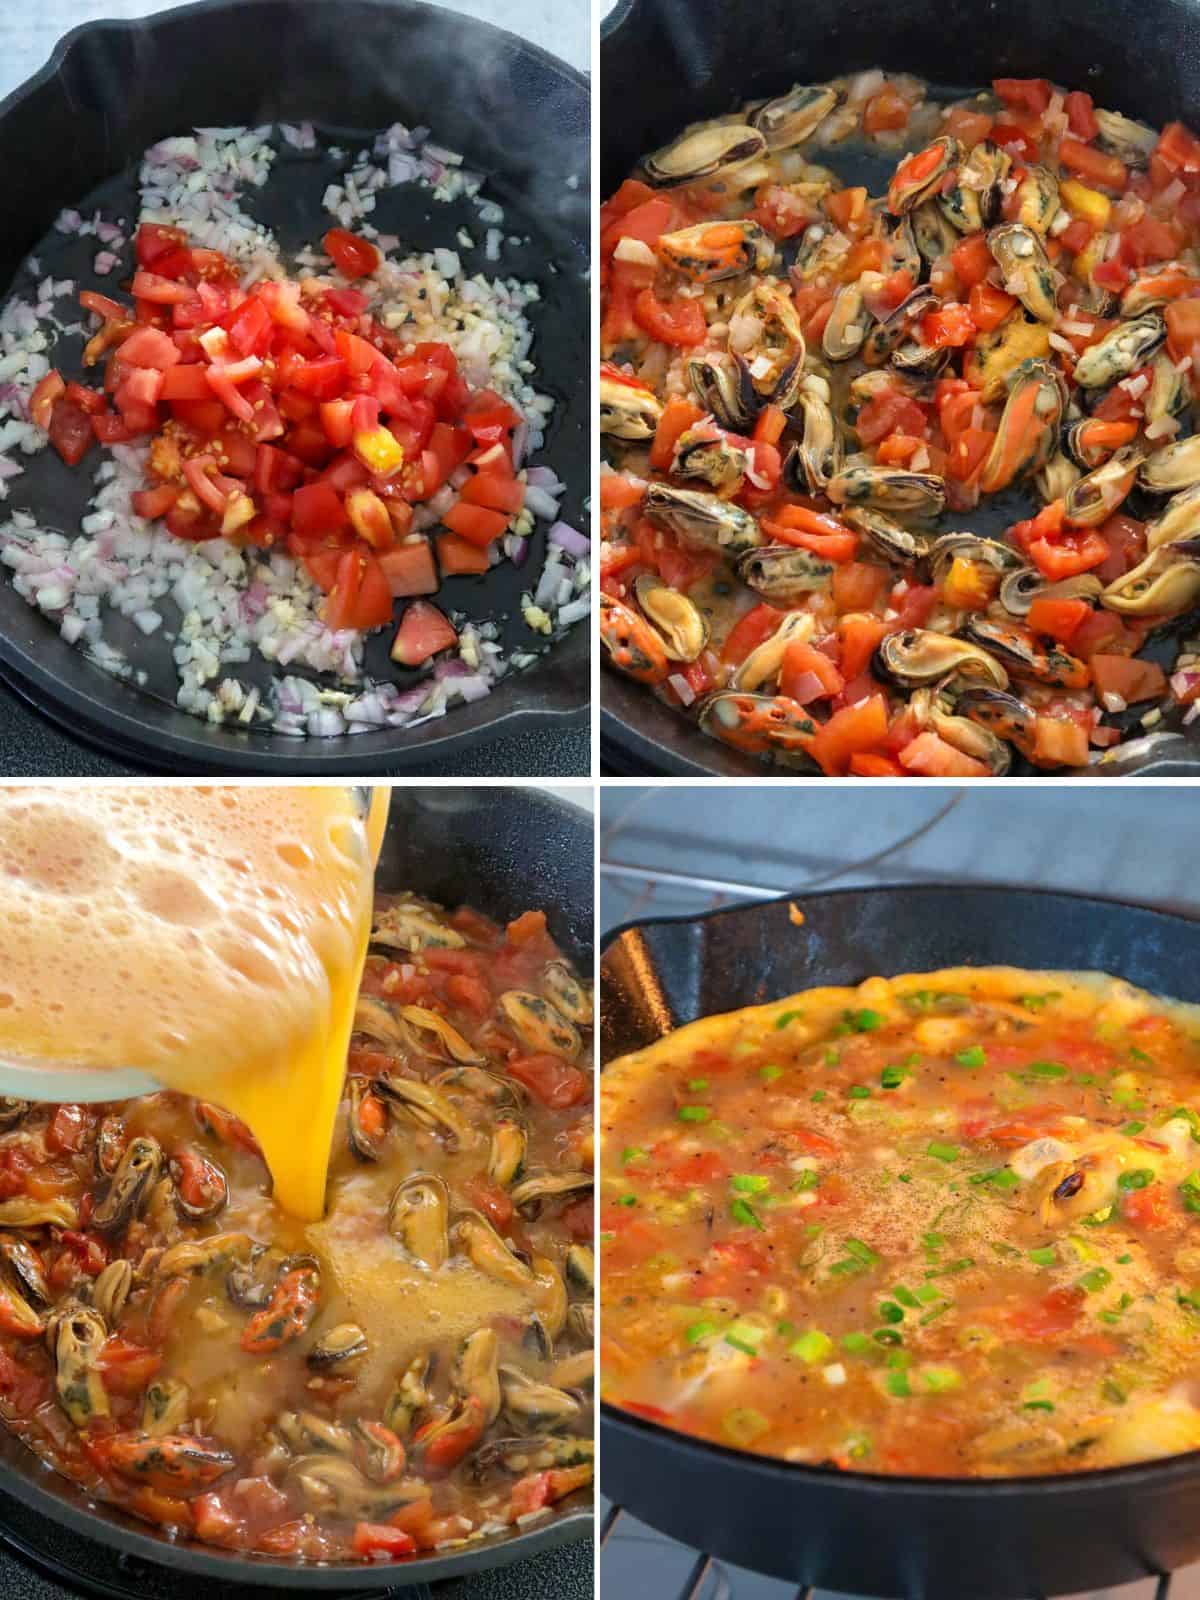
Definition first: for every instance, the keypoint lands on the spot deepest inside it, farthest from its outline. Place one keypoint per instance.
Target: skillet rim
(80, 707)
(1160, 1471)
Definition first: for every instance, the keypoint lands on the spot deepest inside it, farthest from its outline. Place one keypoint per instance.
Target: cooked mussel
(1097, 495)
(410, 923)
(1179, 518)
(1005, 715)
(1152, 287)
(919, 175)
(886, 337)
(23, 1212)
(166, 1407)
(706, 452)
(1132, 141)
(709, 252)
(704, 521)
(1021, 655)
(951, 547)
(1128, 346)
(1000, 351)
(917, 657)
(772, 343)
(1168, 397)
(784, 573)
(579, 1269)
(1028, 432)
(974, 199)
(138, 1169)
(338, 1349)
(1036, 200)
(628, 409)
(848, 323)
(1167, 581)
(703, 151)
(1025, 267)
(537, 1188)
(366, 1119)
(1056, 477)
(434, 1036)
(765, 661)
(410, 1396)
(489, 1088)
(630, 643)
(506, 1155)
(789, 119)
(933, 236)
(22, 1267)
(417, 1216)
(1174, 467)
(538, 1405)
(721, 383)
(200, 1188)
(567, 993)
(900, 546)
(819, 452)
(12, 1110)
(332, 1484)
(475, 1374)
(474, 1235)
(76, 1336)
(921, 495)
(428, 1107)
(109, 1146)
(970, 738)
(757, 724)
(1019, 589)
(538, 1026)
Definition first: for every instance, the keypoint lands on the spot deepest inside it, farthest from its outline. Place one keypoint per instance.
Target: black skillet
(72, 137)
(1141, 57)
(862, 1533)
(504, 851)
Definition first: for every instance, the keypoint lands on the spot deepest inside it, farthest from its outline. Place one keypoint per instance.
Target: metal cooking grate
(709, 1579)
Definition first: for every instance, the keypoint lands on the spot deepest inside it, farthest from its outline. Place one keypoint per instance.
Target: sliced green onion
(976, 1056)
(856, 1343)
(892, 1077)
(627, 1200)
(887, 1336)
(858, 1091)
(942, 1152)
(1131, 1128)
(750, 1182)
(812, 1347)
(770, 1072)
(632, 1152)
(940, 1380)
(896, 1383)
(926, 1294)
(787, 1016)
(861, 1252)
(697, 1085)
(889, 1311)
(1046, 1069)
(699, 1330)
(1137, 1179)
(809, 1178)
(1043, 1257)
(1098, 1278)
(742, 1211)
(743, 1425)
(906, 1297)
(865, 1021)
(694, 1113)
(819, 1095)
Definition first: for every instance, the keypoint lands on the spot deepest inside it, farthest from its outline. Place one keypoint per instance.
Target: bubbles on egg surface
(224, 909)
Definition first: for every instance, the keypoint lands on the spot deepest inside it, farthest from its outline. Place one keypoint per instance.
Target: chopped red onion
(570, 539)
(540, 501)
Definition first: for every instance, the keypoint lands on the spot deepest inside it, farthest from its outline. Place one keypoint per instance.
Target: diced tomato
(476, 524)
(1178, 149)
(860, 637)
(950, 326)
(748, 632)
(1068, 555)
(855, 728)
(377, 1538)
(1128, 677)
(1144, 242)
(1076, 236)
(150, 347)
(989, 306)
(46, 395)
(813, 530)
(456, 556)
(886, 110)
(1014, 141)
(859, 586)
(353, 256)
(409, 569)
(317, 509)
(159, 290)
(1081, 118)
(931, 757)
(153, 241)
(678, 322)
(1060, 742)
(1094, 166)
(155, 503)
(496, 493)
(127, 1367)
(550, 1080)
(865, 765)
(967, 126)
(1148, 1207)
(888, 412)
(645, 222)
(1024, 94)
(360, 597)
(1057, 618)
(1052, 1316)
(71, 431)
(802, 662)
(68, 1128)
(677, 415)
(847, 208)
(423, 632)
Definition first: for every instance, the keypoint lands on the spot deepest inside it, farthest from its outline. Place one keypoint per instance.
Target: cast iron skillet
(862, 1533)
(350, 66)
(1141, 57)
(503, 850)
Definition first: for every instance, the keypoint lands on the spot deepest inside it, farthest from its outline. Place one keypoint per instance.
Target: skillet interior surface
(502, 850)
(117, 88)
(714, 55)
(858, 1533)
